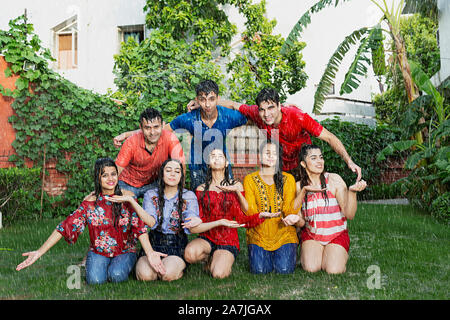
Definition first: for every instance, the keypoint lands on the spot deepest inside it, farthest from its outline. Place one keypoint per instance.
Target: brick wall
(54, 182)
(393, 170)
(7, 133)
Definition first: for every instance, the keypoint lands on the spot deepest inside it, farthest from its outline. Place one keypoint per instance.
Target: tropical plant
(260, 62)
(369, 40)
(429, 160)
(419, 34)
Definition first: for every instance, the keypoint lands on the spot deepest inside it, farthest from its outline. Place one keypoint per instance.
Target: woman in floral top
(169, 227)
(221, 204)
(114, 229)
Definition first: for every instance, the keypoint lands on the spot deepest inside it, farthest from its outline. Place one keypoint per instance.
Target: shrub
(20, 195)
(362, 143)
(440, 208)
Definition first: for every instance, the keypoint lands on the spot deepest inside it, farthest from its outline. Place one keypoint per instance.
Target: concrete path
(387, 201)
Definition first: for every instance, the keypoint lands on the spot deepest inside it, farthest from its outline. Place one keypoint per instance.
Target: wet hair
(150, 114)
(304, 178)
(278, 176)
(206, 87)
(161, 201)
(99, 168)
(267, 94)
(227, 181)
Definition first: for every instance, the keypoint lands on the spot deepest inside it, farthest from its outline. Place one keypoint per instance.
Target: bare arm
(119, 170)
(122, 137)
(347, 197)
(229, 104)
(337, 146)
(205, 226)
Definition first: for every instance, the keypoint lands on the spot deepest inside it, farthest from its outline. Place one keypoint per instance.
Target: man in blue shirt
(208, 125)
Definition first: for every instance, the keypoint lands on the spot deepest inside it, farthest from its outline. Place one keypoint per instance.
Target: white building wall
(327, 30)
(98, 38)
(444, 42)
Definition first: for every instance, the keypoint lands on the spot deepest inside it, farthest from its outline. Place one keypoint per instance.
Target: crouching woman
(114, 229)
(327, 204)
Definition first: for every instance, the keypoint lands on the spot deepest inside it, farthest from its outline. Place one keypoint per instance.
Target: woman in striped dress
(327, 204)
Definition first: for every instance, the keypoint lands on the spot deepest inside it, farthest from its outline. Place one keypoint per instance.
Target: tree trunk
(411, 89)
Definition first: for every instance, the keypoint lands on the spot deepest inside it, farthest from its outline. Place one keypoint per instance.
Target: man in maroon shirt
(292, 125)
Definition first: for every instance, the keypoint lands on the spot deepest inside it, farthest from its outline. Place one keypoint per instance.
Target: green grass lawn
(410, 249)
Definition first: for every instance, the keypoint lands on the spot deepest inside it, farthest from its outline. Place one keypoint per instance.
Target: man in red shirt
(292, 126)
(143, 153)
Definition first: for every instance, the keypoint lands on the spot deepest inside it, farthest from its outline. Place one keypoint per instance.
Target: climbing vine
(71, 125)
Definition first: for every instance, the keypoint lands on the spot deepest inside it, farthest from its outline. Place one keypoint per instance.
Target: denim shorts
(234, 250)
(170, 244)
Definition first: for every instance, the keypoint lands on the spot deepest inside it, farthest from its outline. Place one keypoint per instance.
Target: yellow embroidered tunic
(261, 197)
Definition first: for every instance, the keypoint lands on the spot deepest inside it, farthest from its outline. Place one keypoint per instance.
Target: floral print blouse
(105, 238)
(171, 216)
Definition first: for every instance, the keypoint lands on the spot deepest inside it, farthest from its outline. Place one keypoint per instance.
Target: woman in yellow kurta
(272, 245)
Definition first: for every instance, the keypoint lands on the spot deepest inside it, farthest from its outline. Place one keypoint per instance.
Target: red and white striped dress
(324, 222)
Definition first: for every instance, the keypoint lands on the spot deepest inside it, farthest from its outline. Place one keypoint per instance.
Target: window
(136, 31)
(66, 44)
(331, 90)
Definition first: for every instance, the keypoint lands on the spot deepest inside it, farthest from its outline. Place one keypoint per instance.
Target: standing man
(208, 125)
(143, 153)
(292, 126)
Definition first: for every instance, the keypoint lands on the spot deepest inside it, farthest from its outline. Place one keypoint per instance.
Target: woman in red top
(220, 202)
(114, 229)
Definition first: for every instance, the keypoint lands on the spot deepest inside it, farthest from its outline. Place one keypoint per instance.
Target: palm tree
(370, 39)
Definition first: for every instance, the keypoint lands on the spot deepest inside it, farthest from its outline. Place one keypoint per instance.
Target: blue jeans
(100, 269)
(138, 192)
(281, 260)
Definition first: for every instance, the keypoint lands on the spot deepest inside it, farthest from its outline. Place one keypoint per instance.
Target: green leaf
(394, 147)
(21, 83)
(424, 83)
(358, 68)
(303, 22)
(332, 67)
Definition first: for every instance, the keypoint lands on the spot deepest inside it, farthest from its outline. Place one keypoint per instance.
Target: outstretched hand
(32, 257)
(268, 215)
(314, 189)
(358, 186)
(291, 219)
(119, 199)
(230, 223)
(231, 188)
